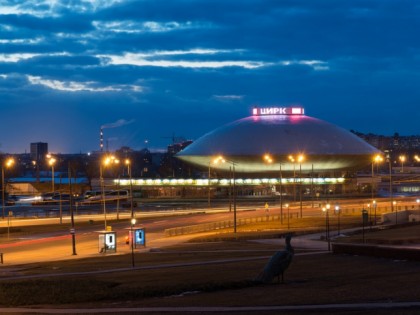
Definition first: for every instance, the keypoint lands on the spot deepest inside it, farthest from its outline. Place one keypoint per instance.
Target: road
(58, 245)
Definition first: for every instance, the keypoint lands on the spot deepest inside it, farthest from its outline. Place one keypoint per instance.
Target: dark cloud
(353, 63)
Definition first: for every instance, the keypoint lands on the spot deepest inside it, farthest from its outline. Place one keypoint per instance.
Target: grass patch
(314, 279)
(392, 235)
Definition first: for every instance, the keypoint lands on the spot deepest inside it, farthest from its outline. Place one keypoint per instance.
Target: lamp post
(268, 159)
(390, 182)
(221, 159)
(374, 204)
(51, 162)
(338, 212)
(8, 163)
(133, 222)
(288, 216)
(300, 158)
(128, 163)
(327, 224)
(418, 203)
(105, 162)
(209, 188)
(376, 159)
(402, 160)
(394, 203)
(292, 159)
(72, 230)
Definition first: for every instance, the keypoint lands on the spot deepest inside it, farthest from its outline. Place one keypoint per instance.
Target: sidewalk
(370, 307)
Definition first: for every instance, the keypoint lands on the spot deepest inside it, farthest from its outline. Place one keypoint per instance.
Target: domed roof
(245, 141)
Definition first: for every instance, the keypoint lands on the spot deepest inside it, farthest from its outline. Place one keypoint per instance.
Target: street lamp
(133, 222)
(394, 203)
(288, 216)
(208, 188)
(216, 160)
(327, 224)
(267, 158)
(72, 230)
(221, 159)
(338, 212)
(108, 160)
(402, 160)
(8, 163)
(390, 181)
(374, 208)
(376, 159)
(127, 162)
(299, 159)
(292, 159)
(51, 162)
(418, 203)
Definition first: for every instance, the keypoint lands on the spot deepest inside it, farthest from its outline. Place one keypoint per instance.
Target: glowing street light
(127, 162)
(326, 210)
(108, 160)
(338, 212)
(217, 160)
(133, 222)
(8, 164)
(51, 162)
(268, 159)
(402, 160)
(288, 216)
(374, 208)
(388, 157)
(394, 205)
(376, 159)
(221, 159)
(298, 159)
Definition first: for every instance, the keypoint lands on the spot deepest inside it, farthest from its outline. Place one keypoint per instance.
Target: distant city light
(226, 182)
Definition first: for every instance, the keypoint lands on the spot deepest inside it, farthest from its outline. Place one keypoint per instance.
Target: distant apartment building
(391, 143)
(174, 148)
(38, 151)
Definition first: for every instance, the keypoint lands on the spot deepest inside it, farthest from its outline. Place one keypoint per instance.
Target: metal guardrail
(214, 226)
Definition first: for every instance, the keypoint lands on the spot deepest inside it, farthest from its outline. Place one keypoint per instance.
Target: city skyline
(155, 70)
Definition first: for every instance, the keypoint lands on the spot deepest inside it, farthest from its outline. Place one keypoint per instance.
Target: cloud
(72, 86)
(16, 57)
(199, 56)
(317, 65)
(118, 123)
(53, 8)
(151, 60)
(135, 27)
(22, 41)
(228, 97)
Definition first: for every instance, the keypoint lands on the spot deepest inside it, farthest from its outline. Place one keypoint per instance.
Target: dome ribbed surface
(245, 141)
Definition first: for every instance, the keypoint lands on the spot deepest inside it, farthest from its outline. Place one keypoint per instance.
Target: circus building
(284, 138)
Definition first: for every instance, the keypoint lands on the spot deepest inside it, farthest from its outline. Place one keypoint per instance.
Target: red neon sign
(263, 111)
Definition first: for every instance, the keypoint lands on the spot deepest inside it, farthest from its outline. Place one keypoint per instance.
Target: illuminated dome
(280, 132)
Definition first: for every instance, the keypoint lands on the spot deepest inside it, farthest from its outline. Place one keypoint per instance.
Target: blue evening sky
(152, 69)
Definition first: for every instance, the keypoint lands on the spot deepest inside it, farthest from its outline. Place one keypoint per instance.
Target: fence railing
(213, 226)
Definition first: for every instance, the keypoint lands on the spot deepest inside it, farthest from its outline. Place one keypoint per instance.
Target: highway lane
(57, 245)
